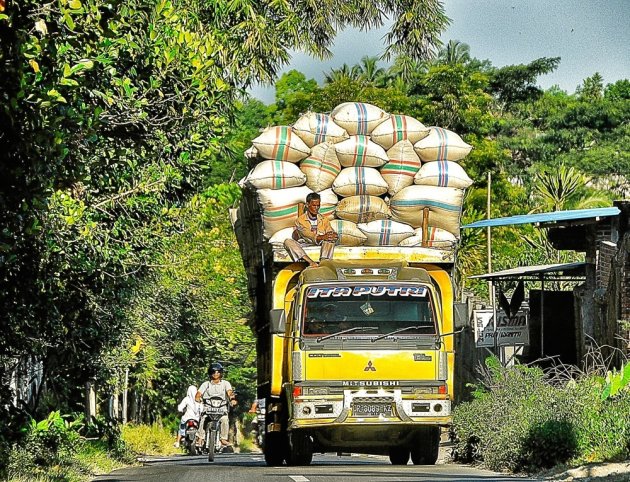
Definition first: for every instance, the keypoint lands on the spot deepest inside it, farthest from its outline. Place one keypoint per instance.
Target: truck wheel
(300, 449)
(275, 449)
(399, 455)
(426, 447)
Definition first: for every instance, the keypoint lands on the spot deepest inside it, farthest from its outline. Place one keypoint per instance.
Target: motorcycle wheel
(212, 436)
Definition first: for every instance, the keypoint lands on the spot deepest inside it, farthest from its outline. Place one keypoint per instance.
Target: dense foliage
(523, 419)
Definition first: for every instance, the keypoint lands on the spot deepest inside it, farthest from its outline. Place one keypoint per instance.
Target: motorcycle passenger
(191, 409)
(216, 386)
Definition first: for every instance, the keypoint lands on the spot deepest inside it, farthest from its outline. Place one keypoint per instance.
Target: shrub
(522, 418)
(152, 439)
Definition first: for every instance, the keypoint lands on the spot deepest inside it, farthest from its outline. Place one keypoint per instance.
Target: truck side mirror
(278, 321)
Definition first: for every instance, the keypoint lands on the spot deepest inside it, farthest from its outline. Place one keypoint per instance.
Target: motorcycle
(190, 438)
(213, 409)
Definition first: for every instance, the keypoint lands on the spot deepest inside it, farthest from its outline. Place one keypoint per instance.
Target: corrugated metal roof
(571, 269)
(554, 216)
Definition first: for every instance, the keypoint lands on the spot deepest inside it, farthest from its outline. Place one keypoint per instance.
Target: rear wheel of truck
(399, 455)
(275, 449)
(426, 447)
(300, 449)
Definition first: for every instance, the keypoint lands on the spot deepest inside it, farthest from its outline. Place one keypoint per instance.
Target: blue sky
(589, 35)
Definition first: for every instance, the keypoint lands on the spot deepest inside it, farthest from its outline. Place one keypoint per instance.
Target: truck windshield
(384, 308)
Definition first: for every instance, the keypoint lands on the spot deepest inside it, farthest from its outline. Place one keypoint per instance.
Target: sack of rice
(277, 240)
(349, 233)
(252, 153)
(358, 117)
(398, 128)
(441, 145)
(362, 209)
(280, 207)
(328, 203)
(275, 175)
(385, 232)
(360, 151)
(444, 204)
(280, 143)
(353, 181)
(436, 238)
(314, 128)
(402, 166)
(444, 174)
(321, 166)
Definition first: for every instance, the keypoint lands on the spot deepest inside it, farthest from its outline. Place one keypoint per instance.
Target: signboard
(510, 330)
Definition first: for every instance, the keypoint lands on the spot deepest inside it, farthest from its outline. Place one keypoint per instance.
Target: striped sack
(436, 238)
(314, 128)
(275, 175)
(279, 207)
(385, 232)
(441, 145)
(402, 166)
(281, 144)
(360, 151)
(358, 117)
(349, 233)
(444, 204)
(353, 181)
(443, 174)
(398, 128)
(321, 166)
(362, 209)
(328, 203)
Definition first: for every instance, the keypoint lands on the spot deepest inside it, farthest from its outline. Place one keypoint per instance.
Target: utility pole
(489, 260)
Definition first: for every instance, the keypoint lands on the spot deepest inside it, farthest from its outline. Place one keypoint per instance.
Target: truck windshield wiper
(356, 328)
(399, 330)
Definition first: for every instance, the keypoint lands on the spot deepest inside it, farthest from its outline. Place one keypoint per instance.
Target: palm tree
(455, 52)
(406, 68)
(343, 72)
(369, 71)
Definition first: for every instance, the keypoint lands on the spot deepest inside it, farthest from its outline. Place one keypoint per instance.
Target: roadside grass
(526, 419)
(154, 439)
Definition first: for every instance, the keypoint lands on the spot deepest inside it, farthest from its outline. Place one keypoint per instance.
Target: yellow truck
(355, 355)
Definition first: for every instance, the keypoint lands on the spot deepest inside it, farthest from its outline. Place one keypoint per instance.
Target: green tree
(454, 52)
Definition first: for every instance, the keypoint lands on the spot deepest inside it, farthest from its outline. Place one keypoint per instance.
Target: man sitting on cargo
(311, 228)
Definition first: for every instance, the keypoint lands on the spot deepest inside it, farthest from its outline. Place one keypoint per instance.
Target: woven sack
(398, 128)
(328, 203)
(277, 240)
(354, 181)
(443, 174)
(436, 238)
(441, 145)
(444, 204)
(360, 151)
(314, 128)
(362, 209)
(279, 207)
(349, 233)
(252, 153)
(358, 117)
(280, 143)
(275, 175)
(321, 167)
(385, 232)
(402, 166)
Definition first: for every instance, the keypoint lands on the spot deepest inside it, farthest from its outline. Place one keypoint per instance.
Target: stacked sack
(378, 174)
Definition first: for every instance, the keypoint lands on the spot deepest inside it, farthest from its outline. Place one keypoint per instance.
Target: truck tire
(399, 455)
(300, 449)
(426, 447)
(275, 449)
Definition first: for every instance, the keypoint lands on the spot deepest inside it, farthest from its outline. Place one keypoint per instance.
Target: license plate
(371, 409)
(215, 410)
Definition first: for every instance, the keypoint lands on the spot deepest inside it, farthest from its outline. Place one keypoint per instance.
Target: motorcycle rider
(191, 409)
(216, 386)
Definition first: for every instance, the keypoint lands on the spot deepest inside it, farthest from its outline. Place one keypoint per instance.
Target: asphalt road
(325, 468)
